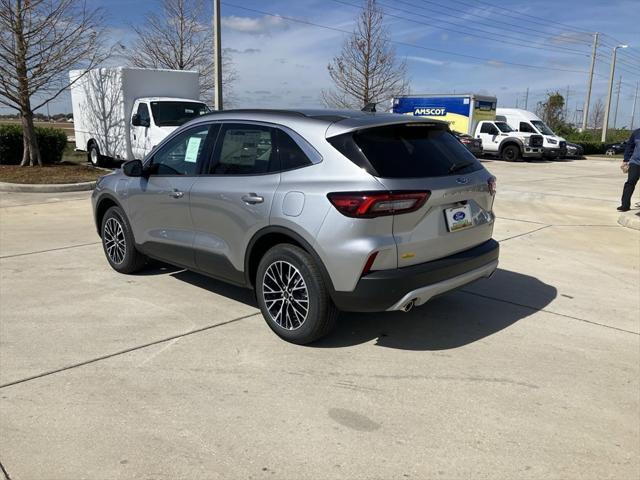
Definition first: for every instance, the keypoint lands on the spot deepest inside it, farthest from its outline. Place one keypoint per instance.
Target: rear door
(233, 200)
(490, 136)
(457, 216)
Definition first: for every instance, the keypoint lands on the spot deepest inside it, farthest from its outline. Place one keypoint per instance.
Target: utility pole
(585, 110)
(633, 110)
(566, 104)
(517, 98)
(615, 115)
(217, 56)
(607, 108)
(526, 100)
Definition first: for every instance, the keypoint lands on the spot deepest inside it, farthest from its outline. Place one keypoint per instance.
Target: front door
(159, 204)
(233, 201)
(140, 133)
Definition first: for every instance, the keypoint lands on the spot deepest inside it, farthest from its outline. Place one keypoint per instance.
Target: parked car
(474, 145)
(615, 148)
(574, 150)
(318, 211)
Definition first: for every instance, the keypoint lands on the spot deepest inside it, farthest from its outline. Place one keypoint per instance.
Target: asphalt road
(531, 374)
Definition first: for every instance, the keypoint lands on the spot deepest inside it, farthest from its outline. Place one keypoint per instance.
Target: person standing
(632, 162)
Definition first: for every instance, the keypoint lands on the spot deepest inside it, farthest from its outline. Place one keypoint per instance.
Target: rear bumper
(391, 289)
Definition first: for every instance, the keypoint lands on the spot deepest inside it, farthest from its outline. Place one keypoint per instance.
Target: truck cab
(152, 119)
(528, 122)
(499, 139)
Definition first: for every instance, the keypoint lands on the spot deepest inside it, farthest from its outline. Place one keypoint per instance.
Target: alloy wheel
(285, 295)
(114, 241)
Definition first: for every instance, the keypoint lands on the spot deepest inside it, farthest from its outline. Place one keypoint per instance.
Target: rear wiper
(459, 166)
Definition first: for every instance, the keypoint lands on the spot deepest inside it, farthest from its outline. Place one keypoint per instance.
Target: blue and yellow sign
(456, 110)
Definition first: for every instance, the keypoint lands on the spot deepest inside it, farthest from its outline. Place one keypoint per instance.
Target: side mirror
(135, 120)
(133, 168)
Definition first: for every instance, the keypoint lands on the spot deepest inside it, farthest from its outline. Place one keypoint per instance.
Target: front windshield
(174, 114)
(504, 128)
(542, 127)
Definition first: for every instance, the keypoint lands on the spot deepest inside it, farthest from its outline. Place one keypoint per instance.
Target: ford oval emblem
(458, 216)
(462, 180)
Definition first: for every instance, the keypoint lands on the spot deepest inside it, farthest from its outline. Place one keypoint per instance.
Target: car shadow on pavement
(450, 321)
(239, 294)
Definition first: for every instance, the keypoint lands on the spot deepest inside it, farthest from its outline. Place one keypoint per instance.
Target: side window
(143, 113)
(290, 153)
(244, 149)
(525, 127)
(181, 155)
(488, 128)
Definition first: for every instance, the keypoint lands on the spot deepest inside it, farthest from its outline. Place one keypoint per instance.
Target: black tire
(284, 317)
(94, 157)
(511, 153)
(123, 257)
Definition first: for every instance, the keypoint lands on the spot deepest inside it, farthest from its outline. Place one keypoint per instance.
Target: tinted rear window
(407, 151)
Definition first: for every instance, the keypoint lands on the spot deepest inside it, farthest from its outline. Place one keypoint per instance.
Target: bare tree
(366, 69)
(596, 117)
(177, 39)
(40, 41)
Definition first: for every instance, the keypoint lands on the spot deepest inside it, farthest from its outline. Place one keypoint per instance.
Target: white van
(121, 113)
(528, 122)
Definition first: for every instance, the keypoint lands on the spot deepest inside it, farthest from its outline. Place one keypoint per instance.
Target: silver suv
(317, 210)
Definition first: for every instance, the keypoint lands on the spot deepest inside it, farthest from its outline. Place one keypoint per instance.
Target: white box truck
(528, 122)
(473, 115)
(121, 113)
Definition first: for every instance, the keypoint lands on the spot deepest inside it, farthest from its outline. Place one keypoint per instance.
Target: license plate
(458, 218)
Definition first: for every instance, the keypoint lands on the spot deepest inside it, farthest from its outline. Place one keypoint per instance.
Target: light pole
(585, 110)
(605, 124)
(217, 57)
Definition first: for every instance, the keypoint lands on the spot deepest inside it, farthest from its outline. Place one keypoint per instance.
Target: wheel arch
(104, 203)
(511, 142)
(270, 236)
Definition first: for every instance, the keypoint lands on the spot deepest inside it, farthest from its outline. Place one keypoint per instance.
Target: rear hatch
(417, 157)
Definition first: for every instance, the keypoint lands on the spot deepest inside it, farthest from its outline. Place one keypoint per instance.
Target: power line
(536, 20)
(501, 38)
(519, 27)
(492, 61)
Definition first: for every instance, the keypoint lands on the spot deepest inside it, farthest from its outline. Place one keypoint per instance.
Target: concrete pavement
(531, 374)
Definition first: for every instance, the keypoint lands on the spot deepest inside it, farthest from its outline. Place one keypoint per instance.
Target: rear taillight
(492, 185)
(377, 204)
(465, 140)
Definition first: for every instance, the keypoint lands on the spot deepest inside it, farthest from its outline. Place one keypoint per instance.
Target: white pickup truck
(499, 139)
(122, 113)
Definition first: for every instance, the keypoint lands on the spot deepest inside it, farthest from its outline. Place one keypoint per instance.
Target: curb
(630, 220)
(46, 187)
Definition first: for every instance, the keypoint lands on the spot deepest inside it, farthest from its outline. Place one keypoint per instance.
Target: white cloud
(430, 61)
(256, 26)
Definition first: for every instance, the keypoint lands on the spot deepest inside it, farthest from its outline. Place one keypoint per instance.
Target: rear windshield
(407, 151)
(174, 114)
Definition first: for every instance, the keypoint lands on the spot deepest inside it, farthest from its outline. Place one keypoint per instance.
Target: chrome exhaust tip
(406, 308)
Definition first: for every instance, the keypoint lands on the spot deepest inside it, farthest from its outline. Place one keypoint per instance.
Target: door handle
(176, 193)
(252, 198)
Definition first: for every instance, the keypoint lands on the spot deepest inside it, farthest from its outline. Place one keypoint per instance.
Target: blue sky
(281, 63)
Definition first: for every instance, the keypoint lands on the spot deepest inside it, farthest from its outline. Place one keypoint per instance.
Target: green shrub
(592, 148)
(52, 142)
